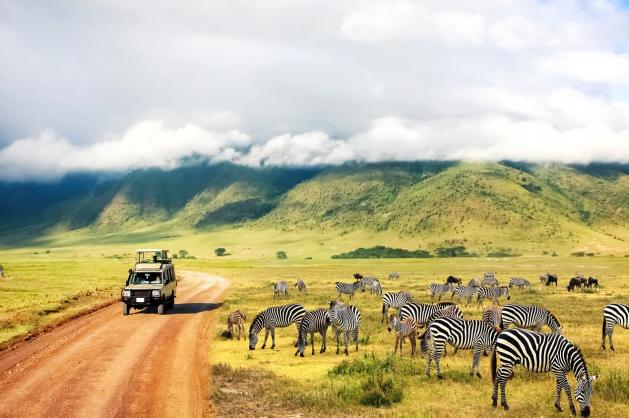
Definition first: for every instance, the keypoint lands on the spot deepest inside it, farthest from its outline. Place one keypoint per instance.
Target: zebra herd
(444, 324)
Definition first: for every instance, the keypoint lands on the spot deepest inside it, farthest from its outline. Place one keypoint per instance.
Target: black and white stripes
(349, 288)
(344, 319)
(394, 300)
(491, 293)
(301, 285)
(529, 316)
(438, 290)
(279, 289)
(274, 317)
(314, 321)
(541, 353)
(614, 313)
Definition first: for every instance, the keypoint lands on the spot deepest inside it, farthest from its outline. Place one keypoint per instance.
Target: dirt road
(108, 365)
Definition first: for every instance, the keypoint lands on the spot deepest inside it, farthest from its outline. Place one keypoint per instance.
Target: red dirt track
(107, 365)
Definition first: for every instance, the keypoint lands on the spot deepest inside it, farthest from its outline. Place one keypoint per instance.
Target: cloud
(119, 85)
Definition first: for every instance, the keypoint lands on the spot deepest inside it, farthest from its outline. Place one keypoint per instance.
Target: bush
(456, 251)
(381, 391)
(578, 254)
(220, 251)
(503, 252)
(183, 254)
(613, 386)
(281, 255)
(380, 251)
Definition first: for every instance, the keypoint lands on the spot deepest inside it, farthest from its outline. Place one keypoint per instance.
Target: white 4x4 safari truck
(151, 283)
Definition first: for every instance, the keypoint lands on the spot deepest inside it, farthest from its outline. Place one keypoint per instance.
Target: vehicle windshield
(146, 278)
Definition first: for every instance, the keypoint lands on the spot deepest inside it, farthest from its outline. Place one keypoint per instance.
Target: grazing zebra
(474, 282)
(370, 282)
(492, 293)
(314, 321)
(466, 292)
(274, 317)
(403, 329)
(438, 290)
(394, 275)
(614, 313)
(541, 353)
(451, 311)
(349, 288)
(462, 334)
(236, 319)
(345, 319)
(301, 286)
(376, 288)
(529, 316)
(489, 280)
(279, 289)
(394, 300)
(519, 282)
(421, 312)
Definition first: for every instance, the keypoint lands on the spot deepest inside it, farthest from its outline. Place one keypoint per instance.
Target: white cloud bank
(119, 85)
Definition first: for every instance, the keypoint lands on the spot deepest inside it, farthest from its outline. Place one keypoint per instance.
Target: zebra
(462, 334)
(492, 293)
(467, 292)
(376, 288)
(314, 321)
(394, 300)
(474, 282)
(345, 319)
(394, 275)
(274, 317)
(421, 312)
(489, 280)
(519, 282)
(492, 316)
(279, 289)
(403, 329)
(529, 316)
(301, 285)
(438, 290)
(349, 288)
(236, 319)
(541, 353)
(614, 313)
(371, 282)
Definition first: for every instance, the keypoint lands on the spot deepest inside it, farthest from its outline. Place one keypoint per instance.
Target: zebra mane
(255, 320)
(579, 356)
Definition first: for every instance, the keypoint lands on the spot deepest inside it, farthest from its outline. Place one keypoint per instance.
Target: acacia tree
(281, 255)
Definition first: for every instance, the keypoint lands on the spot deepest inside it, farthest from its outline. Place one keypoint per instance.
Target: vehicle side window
(167, 276)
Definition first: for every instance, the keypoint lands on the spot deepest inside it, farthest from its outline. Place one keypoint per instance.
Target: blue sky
(91, 85)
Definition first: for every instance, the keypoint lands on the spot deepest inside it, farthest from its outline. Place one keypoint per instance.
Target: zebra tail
(604, 326)
(493, 364)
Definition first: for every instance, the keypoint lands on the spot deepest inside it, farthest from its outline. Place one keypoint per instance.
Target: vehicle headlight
(156, 293)
(126, 293)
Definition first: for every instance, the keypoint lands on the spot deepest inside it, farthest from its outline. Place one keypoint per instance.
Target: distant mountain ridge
(489, 205)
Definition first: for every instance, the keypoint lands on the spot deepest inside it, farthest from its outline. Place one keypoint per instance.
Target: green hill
(486, 207)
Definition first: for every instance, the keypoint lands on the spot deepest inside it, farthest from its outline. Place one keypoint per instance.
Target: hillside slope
(484, 206)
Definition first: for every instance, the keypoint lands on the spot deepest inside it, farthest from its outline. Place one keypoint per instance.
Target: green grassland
(83, 270)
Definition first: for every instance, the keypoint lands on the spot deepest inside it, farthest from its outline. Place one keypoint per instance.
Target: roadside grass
(347, 382)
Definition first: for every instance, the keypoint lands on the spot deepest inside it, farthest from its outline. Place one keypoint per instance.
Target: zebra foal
(236, 319)
(403, 329)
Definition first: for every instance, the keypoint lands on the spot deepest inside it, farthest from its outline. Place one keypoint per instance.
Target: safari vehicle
(151, 283)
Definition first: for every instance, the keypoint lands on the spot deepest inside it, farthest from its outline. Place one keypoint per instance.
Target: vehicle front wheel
(171, 303)
(125, 309)
(160, 309)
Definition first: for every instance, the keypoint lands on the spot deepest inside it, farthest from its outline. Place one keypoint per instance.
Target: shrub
(380, 251)
(578, 254)
(381, 391)
(220, 251)
(614, 386)
(281, 255)
(456, 251)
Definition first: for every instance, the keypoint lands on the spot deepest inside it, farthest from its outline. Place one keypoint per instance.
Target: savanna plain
(43, 287)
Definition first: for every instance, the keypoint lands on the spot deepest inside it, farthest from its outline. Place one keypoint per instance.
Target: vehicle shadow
(193, 308)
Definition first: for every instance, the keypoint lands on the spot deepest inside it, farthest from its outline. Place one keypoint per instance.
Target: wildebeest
(592, 281)
(548, 279)
(576, 282)
(358, 276)
(452, 279)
